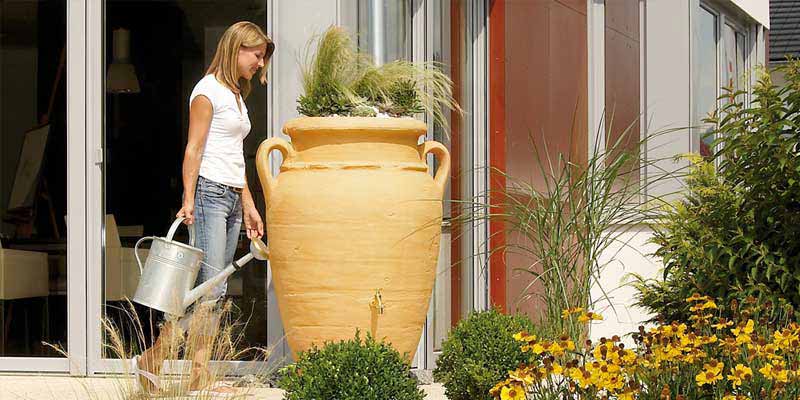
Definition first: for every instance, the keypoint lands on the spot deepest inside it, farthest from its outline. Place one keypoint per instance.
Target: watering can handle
(136, 252)
(176, 225)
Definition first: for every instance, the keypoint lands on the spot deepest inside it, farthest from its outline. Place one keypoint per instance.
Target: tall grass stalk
(565, 224)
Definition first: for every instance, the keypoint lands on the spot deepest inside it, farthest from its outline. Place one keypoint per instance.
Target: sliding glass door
(42, 47)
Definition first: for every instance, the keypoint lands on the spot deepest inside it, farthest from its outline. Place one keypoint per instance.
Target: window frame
(725, 16)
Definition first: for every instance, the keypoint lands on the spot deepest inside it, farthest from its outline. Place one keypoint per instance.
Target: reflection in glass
(382, 27)
(33, 178)
(741, 73)
(704, 77)
(734, 58)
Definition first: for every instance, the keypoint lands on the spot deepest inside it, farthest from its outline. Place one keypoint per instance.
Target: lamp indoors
(121, 77)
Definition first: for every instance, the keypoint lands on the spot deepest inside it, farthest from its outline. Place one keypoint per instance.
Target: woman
(216, 198)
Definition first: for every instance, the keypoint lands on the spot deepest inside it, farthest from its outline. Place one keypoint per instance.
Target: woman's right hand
(187, 212)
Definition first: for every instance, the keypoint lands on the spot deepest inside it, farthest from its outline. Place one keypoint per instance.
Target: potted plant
(353, 217)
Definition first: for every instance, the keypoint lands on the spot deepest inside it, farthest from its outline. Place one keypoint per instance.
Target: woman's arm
(252, 219)
(200, 114)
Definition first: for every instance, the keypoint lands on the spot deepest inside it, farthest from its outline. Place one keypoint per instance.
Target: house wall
(629, 255)
(757, 9)
(668, 113)
(667, 84)
(667, 88)
(546, 100)
(295, 24)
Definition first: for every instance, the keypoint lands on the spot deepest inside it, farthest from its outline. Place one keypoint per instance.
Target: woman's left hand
(253, 223)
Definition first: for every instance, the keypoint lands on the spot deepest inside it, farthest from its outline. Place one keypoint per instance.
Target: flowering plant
(755, 357)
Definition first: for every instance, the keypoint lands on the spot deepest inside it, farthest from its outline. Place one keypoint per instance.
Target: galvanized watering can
(171, 268)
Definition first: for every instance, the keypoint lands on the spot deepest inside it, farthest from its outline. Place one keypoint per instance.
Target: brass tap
(377, 302)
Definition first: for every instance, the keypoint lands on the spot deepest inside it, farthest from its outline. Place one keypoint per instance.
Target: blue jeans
(217, 222)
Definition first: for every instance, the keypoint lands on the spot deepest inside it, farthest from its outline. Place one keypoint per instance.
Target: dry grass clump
(213, 337)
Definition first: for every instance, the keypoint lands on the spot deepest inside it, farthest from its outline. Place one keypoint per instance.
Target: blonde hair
(225, 65)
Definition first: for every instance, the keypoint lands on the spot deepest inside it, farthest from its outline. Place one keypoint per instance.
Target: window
(719, 60)
(705, 81)
(733, 58)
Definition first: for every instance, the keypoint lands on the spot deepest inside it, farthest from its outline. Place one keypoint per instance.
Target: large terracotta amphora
(353, 222)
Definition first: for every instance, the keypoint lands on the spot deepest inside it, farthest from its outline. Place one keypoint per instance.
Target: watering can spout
(258, 250)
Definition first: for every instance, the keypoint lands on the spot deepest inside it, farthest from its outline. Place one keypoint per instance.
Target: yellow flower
(628, 357)
(574, 310)
(536, 348)
(785, 339)
(722, 324)
(708, 304)
(566, 343)
(554, 369)
(626, 396)
(524, 337)
(512, 392)
(703, 340)
(579, 375)
(694, 355)
(495, 391)
(696, 297)
(740, 373)
(712, 372)
(557, 369)
(589, 316)
(742, 333)
(744, 330)
(775, 371)
(707, 377)
(701, 319)
(556, 349)
(522, 375)
(714, 366)
(768, 351)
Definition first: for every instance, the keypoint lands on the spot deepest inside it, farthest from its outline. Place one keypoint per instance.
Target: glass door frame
(77, 210)
(95, 23)
(95, 241)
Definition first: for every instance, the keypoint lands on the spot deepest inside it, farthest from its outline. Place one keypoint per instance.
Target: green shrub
(479, 352)
(737, 231)
(357, 369)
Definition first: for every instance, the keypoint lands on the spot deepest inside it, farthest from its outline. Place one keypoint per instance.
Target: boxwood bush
(479, 353)
(356, 369)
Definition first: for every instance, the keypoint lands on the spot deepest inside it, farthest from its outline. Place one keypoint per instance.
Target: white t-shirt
(223, 156)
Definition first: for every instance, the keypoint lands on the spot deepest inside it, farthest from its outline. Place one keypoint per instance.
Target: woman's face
(250, 60)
